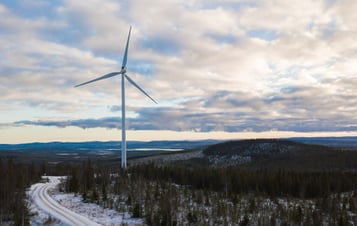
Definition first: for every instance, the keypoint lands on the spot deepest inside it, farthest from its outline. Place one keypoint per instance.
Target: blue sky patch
(33, 9)
(330, 29)
(141, 67)
(264, 34)
(161, 45)
(310, 26)
(230, 5)
(223, 39)
(71, 37)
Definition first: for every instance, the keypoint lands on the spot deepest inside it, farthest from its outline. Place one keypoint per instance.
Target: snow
(89, 213)
(95, 212)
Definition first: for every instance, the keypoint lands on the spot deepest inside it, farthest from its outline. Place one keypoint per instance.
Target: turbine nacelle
(123, 70)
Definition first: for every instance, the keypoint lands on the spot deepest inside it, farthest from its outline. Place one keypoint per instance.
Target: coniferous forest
(179, 194)
(14, 179)
(175, 195)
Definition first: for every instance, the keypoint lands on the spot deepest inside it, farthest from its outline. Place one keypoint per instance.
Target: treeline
(88, 180)
(234, 180)
(14, 179)
(174, 195)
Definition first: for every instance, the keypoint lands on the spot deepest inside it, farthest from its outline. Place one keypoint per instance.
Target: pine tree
(245, 221)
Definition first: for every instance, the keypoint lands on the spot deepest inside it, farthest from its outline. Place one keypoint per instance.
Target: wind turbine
(124, 76)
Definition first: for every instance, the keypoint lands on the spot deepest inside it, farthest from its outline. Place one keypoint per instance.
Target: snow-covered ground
(51, 207)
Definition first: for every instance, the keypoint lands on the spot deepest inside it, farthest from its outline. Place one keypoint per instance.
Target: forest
(15, 178)
(174, 194)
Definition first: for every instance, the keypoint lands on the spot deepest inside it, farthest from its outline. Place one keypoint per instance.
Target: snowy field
(43, 195)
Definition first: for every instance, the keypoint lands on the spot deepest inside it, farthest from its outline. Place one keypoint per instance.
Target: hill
(267, 153)
(324, 153)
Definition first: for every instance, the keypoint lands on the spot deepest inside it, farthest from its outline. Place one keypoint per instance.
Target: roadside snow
(95, 212)
(103, 216)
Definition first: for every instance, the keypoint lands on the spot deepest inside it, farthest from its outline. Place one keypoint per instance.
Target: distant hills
(266, 153)
(343, 142)
(109, 145)
(280, 154)
(294, 153)
(107, 153)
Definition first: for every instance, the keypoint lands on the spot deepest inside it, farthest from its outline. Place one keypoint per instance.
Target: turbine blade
(100, 78)
(137, 86)
(126, 50)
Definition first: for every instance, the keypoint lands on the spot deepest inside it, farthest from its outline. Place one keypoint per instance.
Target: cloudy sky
(218, 69)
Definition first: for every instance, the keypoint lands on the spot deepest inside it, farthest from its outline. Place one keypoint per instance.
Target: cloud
(211, 65)
(293, 110)
(110, 123)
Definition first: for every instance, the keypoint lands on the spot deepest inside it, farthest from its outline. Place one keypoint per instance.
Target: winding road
(39, 195)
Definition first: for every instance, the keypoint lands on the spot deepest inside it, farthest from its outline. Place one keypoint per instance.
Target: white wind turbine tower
(124, 76)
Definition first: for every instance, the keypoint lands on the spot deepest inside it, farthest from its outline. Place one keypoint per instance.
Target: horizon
(218, 69)
(188, 140)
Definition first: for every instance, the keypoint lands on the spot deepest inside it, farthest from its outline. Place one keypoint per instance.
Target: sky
(227, 69)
